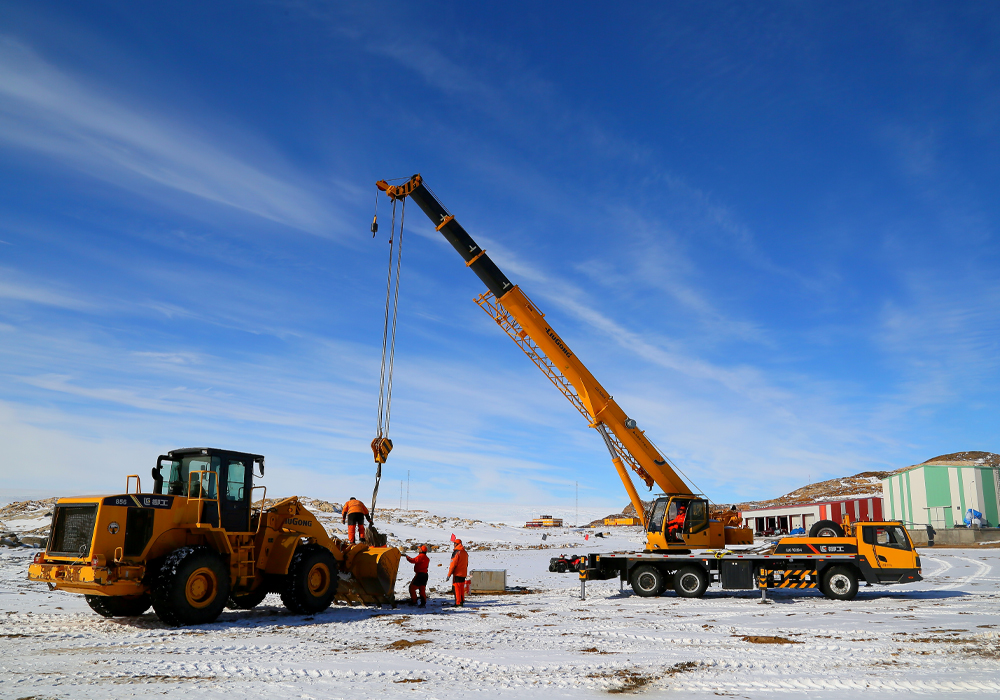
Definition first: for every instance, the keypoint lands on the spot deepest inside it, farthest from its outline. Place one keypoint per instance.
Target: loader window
(181, 476)
(236, 474)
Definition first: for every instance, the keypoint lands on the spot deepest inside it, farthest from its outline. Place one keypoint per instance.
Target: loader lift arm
(518, 316)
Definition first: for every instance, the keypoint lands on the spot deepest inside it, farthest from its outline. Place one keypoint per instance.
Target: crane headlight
(630, 423)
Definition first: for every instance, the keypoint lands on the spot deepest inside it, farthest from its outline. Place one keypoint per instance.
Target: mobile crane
(521, 319)
(679, 522)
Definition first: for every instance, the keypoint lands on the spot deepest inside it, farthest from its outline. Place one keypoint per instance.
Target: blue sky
(769, 230)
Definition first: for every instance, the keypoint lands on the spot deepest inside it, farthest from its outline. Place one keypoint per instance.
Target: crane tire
(826, 528)
(840, 583)
(690, 582)
(647, 581)
(191, 587)
(311, 581)
(119, 605)
(248, 600)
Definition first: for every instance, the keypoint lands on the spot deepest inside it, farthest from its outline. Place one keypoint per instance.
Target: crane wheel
(311, 581)
(247, 601)
(648, 581)
(690, 582)
(826, 528)
(119, 606)
(191, 588)
(840, 583)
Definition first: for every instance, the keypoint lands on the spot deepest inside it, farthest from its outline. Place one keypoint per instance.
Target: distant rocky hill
(981, 459)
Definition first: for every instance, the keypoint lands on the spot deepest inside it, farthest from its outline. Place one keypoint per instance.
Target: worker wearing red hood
(458, 570)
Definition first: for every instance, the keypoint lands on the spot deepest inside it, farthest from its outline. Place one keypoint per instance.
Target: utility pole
(577, 518)
(407, 490)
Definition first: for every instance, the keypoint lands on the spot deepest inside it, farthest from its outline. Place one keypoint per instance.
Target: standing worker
(457, 572)
(419, 583)
(354, 513)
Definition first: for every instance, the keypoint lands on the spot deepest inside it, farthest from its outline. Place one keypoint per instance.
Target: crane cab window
(656, 519)
(697, 516)
(184, 476)
(885, 536)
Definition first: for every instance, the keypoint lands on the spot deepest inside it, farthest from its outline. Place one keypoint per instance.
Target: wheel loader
(197, 544)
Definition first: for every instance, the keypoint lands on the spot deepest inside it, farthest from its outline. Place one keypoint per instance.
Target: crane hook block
(374, 226)
(381, 447)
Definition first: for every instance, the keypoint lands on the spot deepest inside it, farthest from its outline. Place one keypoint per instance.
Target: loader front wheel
(311, 581)
(119, 606)
(191, 588)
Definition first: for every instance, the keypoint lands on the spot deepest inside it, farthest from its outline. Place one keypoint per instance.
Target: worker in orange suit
(457, 572)
(676, 524)
(419, 583)
(354, 514)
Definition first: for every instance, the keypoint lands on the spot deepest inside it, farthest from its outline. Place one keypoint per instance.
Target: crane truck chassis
(875, 552)
(203, 545)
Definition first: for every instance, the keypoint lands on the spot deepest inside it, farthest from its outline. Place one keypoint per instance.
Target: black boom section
(474, 256)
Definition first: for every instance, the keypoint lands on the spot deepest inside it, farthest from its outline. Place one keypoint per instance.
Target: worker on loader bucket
(676, 524)
(354, 514)
(419, 583)
(457, 572)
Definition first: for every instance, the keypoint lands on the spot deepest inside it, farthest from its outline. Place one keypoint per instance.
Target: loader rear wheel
(247, 601)
(120, 605)
(840, 583)
(826, 528)
(648, 581)
(311, 581)
(191, 588)
(690, 582)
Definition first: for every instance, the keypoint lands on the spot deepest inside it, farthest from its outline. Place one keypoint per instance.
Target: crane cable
(382, 445)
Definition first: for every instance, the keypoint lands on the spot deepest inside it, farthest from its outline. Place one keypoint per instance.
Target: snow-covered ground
(938, 637)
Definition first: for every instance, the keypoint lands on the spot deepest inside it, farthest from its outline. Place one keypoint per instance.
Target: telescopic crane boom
(513, 311)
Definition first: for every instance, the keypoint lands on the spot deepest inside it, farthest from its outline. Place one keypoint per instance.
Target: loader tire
(840, 583)
(248, 600)
(690, 582)
(191, 588)
(120, 605)
(826, 528)
(648, 581)
(311, 581)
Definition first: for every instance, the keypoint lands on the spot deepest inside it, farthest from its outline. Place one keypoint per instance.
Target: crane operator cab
(682, 523)
(220, 479)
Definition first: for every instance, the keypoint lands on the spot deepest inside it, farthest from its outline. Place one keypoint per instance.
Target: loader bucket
(369, 576)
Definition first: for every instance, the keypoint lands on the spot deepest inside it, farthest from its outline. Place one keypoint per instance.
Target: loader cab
(677, 522)
(218, 476)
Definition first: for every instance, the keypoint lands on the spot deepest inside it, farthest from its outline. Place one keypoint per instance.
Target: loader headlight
(39, 558)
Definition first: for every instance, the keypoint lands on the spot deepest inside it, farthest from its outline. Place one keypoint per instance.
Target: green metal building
(940, 492)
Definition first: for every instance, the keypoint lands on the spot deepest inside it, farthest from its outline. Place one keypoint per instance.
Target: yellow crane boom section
(525, 324)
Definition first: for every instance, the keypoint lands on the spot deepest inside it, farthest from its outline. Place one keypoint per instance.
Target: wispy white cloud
(47, 110)
(37, 294)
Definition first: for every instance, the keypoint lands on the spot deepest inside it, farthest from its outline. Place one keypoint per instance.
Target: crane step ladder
(785, 578)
